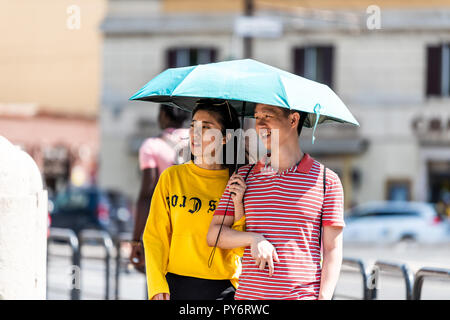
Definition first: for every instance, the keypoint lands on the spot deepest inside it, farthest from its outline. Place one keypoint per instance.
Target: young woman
(182, 206)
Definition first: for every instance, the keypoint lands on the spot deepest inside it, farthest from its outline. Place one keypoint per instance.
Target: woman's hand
(161, 296)
(237, 188)
(264, 253)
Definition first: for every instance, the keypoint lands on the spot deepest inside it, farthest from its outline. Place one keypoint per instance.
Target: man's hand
(137, 256)
(264, 253)
(161, 296)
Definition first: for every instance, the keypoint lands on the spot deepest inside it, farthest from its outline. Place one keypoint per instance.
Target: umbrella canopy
(250, 81)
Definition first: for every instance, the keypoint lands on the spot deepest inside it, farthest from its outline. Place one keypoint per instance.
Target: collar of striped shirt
(303, 167)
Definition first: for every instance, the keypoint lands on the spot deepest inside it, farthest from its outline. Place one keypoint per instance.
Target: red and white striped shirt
(286, 209)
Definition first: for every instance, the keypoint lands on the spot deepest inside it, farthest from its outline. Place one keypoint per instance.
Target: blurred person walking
(289, 197)
(182, 207)
(155, 155)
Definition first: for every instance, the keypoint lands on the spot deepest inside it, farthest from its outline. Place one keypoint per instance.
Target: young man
(285, 208)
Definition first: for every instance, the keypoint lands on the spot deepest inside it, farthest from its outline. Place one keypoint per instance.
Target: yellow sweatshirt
(174, 238)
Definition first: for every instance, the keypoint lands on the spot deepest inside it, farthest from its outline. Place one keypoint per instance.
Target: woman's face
(205, 135)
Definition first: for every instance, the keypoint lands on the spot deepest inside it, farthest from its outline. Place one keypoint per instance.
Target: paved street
(132, 283)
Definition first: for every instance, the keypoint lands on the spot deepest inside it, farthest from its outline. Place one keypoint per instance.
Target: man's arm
(332, 261)
(148, 183)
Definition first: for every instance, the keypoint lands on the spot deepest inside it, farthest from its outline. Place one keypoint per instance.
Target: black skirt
(190, 288)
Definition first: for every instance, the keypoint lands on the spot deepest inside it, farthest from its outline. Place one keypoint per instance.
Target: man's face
(272, 121)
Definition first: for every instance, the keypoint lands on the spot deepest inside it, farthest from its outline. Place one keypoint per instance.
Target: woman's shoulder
(174, 169)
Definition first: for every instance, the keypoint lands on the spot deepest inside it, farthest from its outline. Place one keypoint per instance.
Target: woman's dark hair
(176, 115)
(228, 118)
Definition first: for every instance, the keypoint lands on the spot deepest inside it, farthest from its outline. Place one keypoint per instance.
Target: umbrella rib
(176, 87)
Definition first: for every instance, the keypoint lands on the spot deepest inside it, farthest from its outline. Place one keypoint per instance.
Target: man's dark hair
(302, 114)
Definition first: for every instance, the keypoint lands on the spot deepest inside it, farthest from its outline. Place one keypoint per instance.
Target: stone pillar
(23, 225)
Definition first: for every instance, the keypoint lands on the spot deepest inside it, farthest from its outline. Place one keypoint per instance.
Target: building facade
(50, 84)
(389, 64)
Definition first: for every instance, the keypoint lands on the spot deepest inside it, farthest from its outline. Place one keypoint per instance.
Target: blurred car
(395, 221)
(121, 213)
(80, 208)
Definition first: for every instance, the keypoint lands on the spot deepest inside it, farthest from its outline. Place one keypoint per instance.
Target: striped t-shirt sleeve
(226, 205)
(333, 204)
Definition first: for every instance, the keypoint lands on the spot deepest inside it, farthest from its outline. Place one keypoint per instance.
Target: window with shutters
(315, 63)
(185, 56)
(438, 70)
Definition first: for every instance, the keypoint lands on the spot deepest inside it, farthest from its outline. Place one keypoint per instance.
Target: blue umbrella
(244, 83)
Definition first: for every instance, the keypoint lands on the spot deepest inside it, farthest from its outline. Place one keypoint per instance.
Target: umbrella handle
(244, 103)
(317, 109)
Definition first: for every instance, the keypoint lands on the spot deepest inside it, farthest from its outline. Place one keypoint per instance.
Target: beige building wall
(379, 74)
(238, 5)
(44, 61)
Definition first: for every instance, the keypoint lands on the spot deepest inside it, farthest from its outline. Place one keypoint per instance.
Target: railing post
(69, 236)
(427, 272)
(107, 243)
(369, 291)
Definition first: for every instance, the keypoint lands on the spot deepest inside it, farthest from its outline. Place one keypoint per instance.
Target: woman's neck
(202, 163)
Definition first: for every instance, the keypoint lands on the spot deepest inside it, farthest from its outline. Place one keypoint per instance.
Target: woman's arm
(262, 250)
(332, 261)
(156, 238)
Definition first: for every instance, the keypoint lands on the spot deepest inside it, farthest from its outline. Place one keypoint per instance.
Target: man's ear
(294, 118)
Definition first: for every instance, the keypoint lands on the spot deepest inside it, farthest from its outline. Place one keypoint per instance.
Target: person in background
(155, 155)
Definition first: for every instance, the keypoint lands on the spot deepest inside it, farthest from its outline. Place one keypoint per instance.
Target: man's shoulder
(331, 176)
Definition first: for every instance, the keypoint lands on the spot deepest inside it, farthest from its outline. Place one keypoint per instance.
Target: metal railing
(413, 281)
(370, 274)
(421, 274)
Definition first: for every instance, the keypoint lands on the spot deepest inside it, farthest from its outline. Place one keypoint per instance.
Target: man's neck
(286, 156)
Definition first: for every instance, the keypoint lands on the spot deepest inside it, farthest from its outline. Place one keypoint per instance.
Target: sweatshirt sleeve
(239, 226)
(156, 239)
